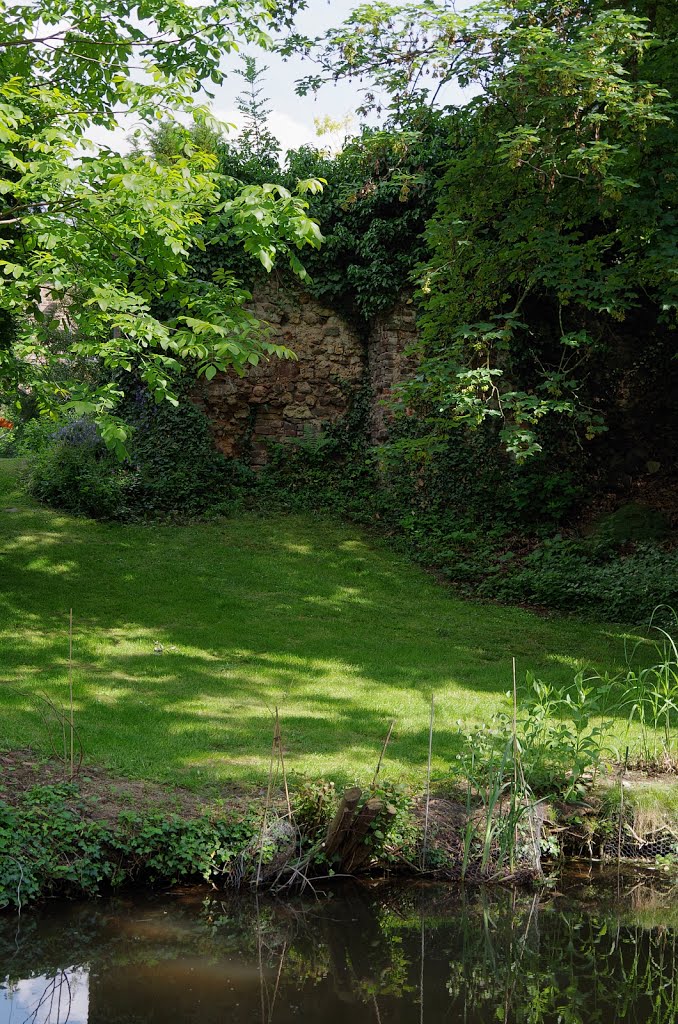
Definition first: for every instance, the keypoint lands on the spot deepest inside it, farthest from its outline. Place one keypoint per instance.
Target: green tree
(108, 236)
(554, 231)
(256, 139)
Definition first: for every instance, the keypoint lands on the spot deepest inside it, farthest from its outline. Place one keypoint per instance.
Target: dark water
(597, 949)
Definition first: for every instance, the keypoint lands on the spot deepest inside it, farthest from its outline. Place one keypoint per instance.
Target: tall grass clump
(649, 693)
(499, 836)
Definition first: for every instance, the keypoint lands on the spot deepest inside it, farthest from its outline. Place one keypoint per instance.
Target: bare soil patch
(108, 796)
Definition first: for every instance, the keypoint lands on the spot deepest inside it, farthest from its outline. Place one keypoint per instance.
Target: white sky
(292, 116)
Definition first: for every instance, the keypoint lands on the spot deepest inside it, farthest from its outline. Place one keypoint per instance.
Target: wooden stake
(70, 685)
(428, 784)
(383, 751)
(354, 850)
(269, 792)
(282, 762)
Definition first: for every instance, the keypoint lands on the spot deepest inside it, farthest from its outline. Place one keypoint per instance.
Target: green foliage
(649, 692)
(380, 191)
(75, 471)
(378, 194)
(173, 466)
(51, 845)
(256, 139)
(314, 806)
(109, 236)
(159, 848)
(561, 741)
(333, 471)
(553, 236)
(398, 844)
(632, 522)
(47, 847)
(576, 575)
(564, 734)
(564, 238)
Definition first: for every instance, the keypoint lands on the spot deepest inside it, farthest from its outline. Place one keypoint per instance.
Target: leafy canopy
(554, 230)
(107, 237)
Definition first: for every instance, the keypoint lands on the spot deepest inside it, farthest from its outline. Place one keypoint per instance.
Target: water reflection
(594, 952)
(61, 998)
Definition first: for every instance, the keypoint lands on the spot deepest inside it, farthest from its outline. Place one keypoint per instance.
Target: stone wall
(282, 399)
(390, 336)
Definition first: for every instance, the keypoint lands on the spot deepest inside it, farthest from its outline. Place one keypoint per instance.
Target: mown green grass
(303, 613)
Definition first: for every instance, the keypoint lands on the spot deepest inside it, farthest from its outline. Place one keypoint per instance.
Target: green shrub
(47, 847)
(173, 466)
(573, 575)
(73, 470)
(27, 437)
(334, 471)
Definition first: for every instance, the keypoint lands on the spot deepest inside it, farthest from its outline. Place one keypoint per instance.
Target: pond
(599, 947)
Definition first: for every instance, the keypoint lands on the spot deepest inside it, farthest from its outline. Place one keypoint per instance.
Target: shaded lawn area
(304, 613)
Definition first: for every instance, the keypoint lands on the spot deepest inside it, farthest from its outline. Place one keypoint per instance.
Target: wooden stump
(355, 847)
(341, 824)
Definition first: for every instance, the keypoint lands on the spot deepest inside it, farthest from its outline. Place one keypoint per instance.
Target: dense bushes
(575, 575)
(51, 844)
(490, 526)
(173, 466)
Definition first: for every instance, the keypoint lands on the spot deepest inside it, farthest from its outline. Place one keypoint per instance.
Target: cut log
(363, 852)
(356, 840)
(341, 824)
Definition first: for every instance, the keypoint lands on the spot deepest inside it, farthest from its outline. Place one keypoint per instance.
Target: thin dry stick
(428, 785)
(70, 683)
(518, 765)
(263, 989)
(515, 728)
(621, 809)
(267, 804)
(277, 982)
(282, 762)
(515, 759)
(383, 751)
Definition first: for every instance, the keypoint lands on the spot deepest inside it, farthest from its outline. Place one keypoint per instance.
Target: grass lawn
(307, 614)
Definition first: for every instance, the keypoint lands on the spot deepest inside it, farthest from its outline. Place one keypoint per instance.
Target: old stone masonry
(284, 398)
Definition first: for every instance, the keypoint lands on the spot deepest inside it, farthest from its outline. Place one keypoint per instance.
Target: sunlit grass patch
(187, 638)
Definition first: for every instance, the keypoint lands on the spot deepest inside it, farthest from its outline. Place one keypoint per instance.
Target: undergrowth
(491, 527)
(50, 844)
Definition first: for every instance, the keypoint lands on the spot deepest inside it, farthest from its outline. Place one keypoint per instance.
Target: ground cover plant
(186, 638)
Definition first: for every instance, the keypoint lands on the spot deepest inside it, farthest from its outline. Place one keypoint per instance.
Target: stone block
(297, 412)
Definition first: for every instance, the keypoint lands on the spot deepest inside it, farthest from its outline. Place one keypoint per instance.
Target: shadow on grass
(247, 614)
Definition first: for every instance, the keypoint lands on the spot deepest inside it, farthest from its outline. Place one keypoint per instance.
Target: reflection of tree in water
(489, 955)
(54, 1003)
